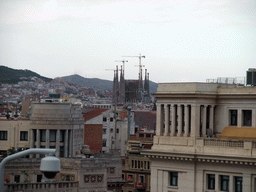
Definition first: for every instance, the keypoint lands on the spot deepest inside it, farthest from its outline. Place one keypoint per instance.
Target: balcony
(205, 146)
(140, 185)
(68, 186)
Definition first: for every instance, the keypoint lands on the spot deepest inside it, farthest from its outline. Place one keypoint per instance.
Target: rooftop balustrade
(205, 146)
(67, 186)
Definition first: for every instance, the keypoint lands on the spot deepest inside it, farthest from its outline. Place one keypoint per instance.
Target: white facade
(188, 153)
(57, 125)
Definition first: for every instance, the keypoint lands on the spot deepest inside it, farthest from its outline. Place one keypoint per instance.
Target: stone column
(247, 182)
(195, 120)
(253, 118)
(173, 120)
(186, 120)
(212, 118)
(204, 121)
(231, 183)
(58, 143)
(47, 139)
(179, 120)
(70, 143)
(239, 118)
(32, 142)
(66, 144)
(159, 120)
(37, 141)
(32, 139)
(167, 120)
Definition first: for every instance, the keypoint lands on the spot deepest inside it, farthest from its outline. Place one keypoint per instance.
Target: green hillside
(12, 76)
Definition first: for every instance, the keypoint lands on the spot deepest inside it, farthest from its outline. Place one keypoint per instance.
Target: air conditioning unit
(251, 77)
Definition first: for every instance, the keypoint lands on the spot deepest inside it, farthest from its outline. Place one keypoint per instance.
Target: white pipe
(18, 155)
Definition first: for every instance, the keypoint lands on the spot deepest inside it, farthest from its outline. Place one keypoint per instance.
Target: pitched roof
(92, 112)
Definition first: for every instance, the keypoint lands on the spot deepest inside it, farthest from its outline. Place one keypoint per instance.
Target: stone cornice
(199, 158)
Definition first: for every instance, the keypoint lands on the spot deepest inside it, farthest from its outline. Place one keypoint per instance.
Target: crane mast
(140, 68)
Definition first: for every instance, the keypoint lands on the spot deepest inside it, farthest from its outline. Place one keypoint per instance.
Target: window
(111, 119)
(104, 131)
(3, 135)
(23, 136)
(130, 177)
(141, 179)
(111, 130)
(52, 135)
(247, 117)
(39, 178)
(233, 117)
(111, 170)
(117, 130)
(238, 184)
(62, 135)
(104, 119)
(104, 143)
(61, 151)
(224, 183)
(210, 181)
(16, 178)
(42, 135)
(173, 178)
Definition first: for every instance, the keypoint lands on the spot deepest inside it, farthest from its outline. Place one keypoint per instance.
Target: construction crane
(140, 68)
(123, 61)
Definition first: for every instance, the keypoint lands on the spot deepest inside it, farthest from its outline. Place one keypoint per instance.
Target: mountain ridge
(99, 83)
(13, 76)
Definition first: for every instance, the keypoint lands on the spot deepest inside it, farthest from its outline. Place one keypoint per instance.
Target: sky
(182, 40)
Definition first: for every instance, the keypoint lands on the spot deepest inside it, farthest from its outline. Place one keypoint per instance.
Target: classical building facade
(205, 138)
(51, 125)
(57, 125)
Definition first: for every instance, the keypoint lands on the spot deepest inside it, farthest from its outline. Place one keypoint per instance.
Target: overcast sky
(183, 40)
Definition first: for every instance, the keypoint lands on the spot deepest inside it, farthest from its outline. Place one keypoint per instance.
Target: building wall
(14, 129)
(93, 173)
(136, 166)
(93, 137)
(192, 175)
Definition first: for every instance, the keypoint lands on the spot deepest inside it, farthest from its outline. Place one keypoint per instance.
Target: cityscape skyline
(182, 40)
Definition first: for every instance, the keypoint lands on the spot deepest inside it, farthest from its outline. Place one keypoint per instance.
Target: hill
(12, 76)
(99, 83)
(90, 82)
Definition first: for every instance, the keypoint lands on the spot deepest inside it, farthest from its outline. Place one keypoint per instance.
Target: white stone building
(205, 138)
(51, 125)
(57, 125)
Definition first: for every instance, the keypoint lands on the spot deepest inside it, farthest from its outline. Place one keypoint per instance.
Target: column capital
(166, 104)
